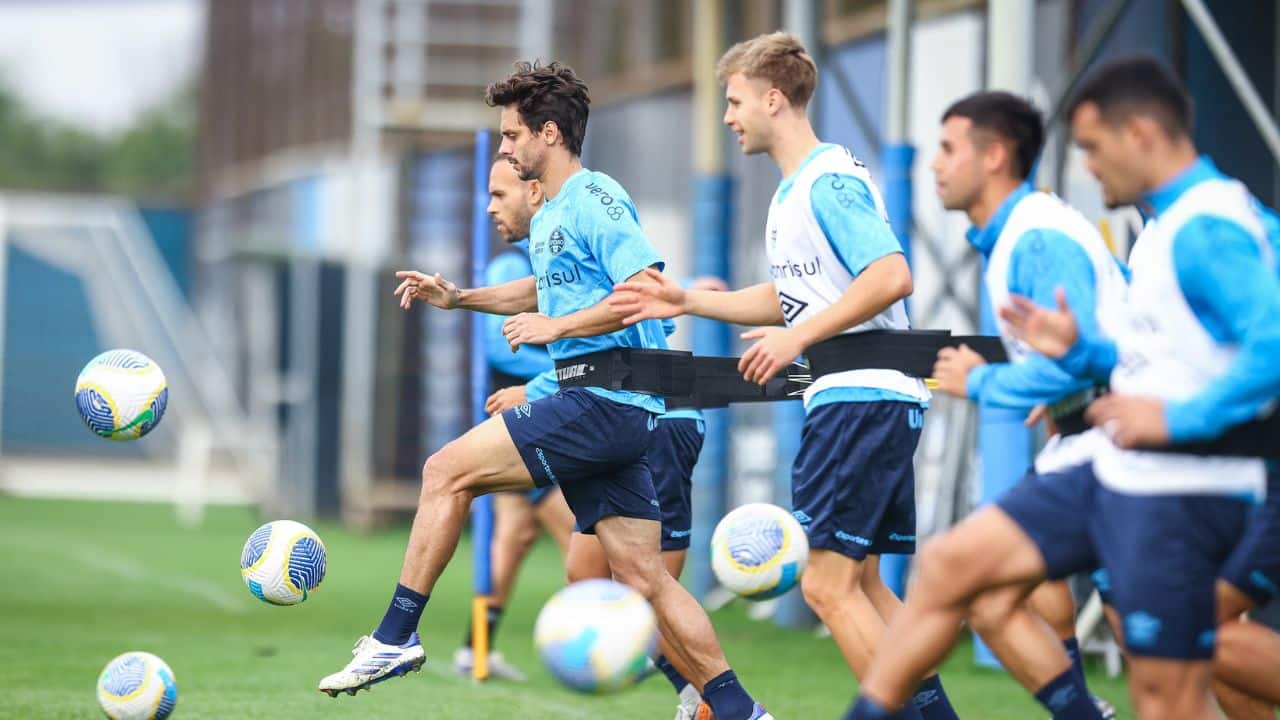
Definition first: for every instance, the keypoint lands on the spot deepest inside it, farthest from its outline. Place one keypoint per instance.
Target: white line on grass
(133, 571)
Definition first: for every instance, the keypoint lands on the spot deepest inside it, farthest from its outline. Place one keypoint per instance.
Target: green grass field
(86, 581)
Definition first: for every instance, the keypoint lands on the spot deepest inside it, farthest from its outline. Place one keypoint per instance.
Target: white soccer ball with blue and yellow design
(121, 395)
(596, 636)
(137, 686)
(283, 562)
(759, 551)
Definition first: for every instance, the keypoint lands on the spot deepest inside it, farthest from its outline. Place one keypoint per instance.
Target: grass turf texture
(84, 582)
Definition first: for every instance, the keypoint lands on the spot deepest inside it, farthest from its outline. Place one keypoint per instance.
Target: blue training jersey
(582, 242)
(530, 360)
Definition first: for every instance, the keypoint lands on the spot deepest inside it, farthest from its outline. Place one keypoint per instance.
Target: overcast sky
(98, 63)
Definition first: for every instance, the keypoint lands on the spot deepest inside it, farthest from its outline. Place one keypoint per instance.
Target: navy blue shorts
(676, 445)
(538, 494)
(593, 448)
(1254, 566)
(1162, 552)
(853, 485)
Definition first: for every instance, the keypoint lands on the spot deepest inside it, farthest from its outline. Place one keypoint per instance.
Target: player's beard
(532, 169)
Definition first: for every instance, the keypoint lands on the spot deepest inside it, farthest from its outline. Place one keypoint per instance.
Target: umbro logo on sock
(406, 604)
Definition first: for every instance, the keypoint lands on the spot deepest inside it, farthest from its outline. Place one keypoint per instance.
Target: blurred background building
(329, 143)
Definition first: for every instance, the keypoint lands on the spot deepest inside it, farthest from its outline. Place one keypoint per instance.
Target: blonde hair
(778, 58)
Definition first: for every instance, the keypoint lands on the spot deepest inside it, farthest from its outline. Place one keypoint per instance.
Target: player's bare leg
(1245, 658)
(986, 551)
(515, 529)
(1163, 688)
(484, 460)
(554, 515)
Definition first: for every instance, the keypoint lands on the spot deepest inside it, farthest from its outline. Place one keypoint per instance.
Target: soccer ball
(596, 636)
(282, 562)
(759, 551)
(121, 394)
(137, 686)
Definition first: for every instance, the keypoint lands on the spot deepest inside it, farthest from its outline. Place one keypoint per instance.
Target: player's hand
(1038, 413)
(709, 282)
(1052, 332)
(530, 329)
(653, 296)
(430, 289)
(952, 368)
(505, 399)
(775, 349)
(1129, 420)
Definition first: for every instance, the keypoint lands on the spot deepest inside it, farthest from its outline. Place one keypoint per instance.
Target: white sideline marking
(133, 571)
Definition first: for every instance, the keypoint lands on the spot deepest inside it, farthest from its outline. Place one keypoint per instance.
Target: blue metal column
(482, 508)
(896, 158)
(1004, 444)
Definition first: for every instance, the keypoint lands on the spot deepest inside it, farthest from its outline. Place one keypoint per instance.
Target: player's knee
(440, 474)
(941, 566)
(822, 593)
(1230, 646)
(991, 611)
(641, 574)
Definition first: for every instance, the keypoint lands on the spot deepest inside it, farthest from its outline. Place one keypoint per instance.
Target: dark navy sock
(864, 708)
(673, 675)
(727, 698)
(491, 616)
(1072, 647)
(1066, 697)
(402, 616)
(932, 701)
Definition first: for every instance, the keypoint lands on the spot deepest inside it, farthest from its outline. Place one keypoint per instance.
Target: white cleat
(374, 662)
(689, 701)
(464, 662)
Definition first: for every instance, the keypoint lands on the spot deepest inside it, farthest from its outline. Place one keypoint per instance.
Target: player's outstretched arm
(1051, 332)
(879, 285)
(652, 295)
(599, 319)
(506, 299)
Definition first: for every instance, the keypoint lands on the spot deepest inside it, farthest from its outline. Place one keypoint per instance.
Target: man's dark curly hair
(546, 93)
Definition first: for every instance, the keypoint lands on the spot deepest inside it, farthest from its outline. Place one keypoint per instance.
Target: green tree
(152, 158)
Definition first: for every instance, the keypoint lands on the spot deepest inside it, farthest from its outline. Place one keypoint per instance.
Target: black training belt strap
(685, 380)
(1256, 438)
(912, 352)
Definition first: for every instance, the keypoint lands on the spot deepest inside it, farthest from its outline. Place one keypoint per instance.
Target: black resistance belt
(683, 379)
(707, 382)
(909, 351)
(1256, 438)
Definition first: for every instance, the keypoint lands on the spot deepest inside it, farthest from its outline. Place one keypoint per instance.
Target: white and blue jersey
(1033, 245)
(529, 360)
(826, 225)
(582, 242)
(1201, 332)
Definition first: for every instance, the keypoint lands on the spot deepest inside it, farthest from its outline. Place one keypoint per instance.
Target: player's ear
(533, 193)
(550, 132)
(774, 100)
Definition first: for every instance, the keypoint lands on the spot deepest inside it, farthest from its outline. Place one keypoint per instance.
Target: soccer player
(1192, 355)
(1033, 244)
(837, 268)
(677, 442)
(517, 515)
(591, 441)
